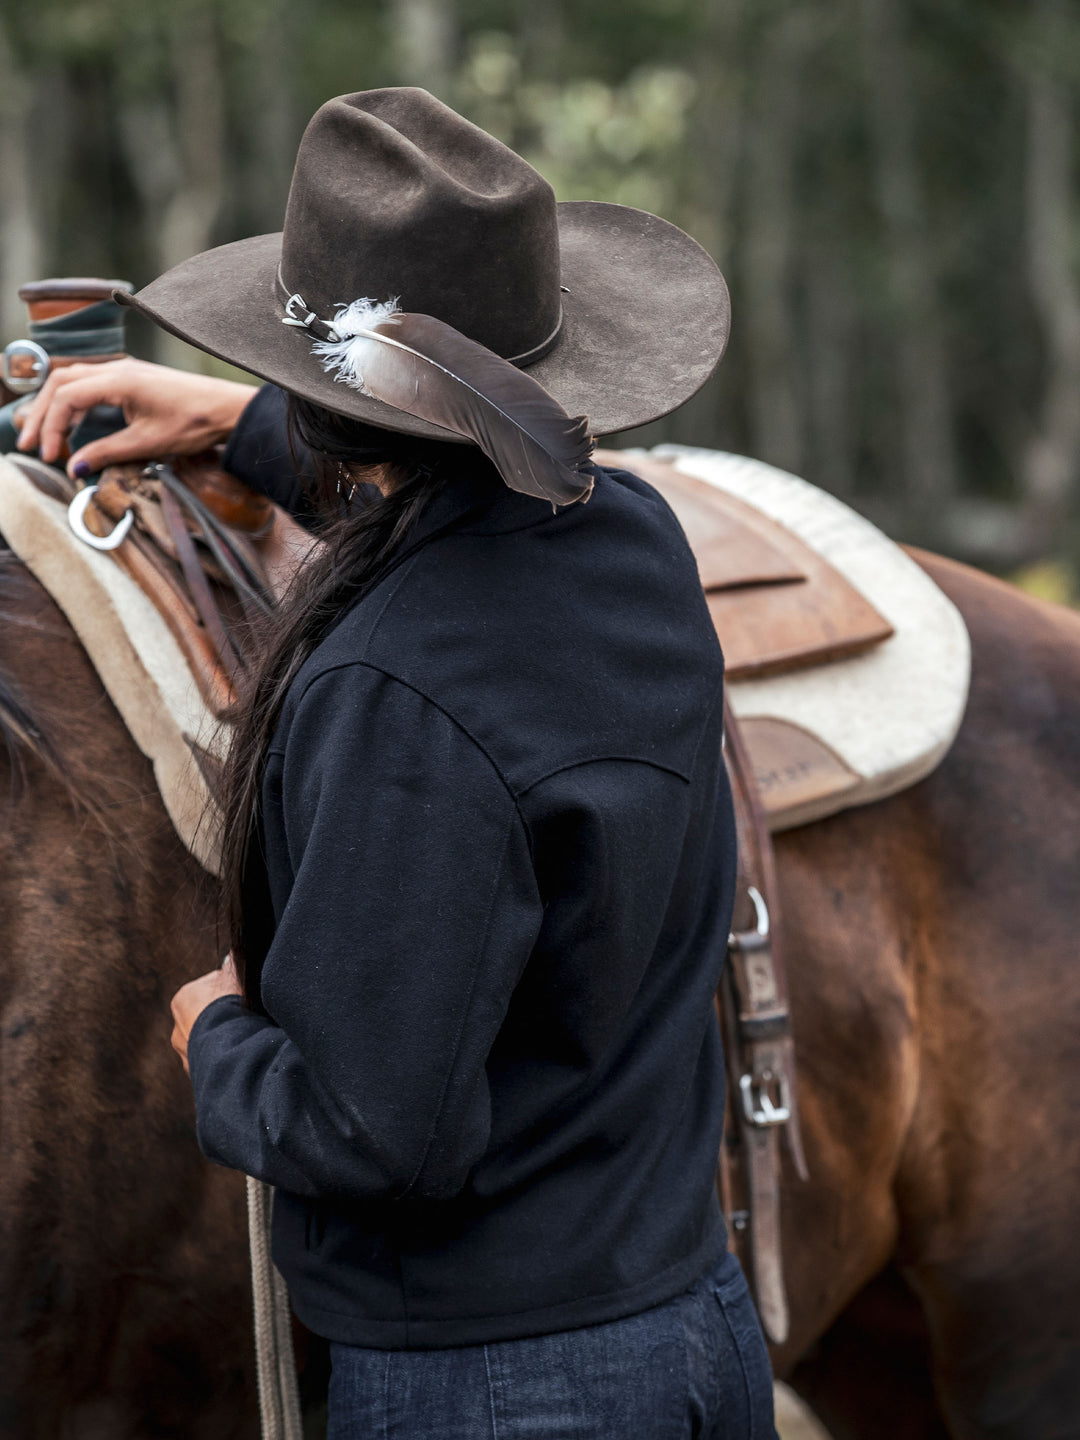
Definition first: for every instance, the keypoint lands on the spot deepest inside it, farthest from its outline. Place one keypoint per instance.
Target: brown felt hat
(618, 314)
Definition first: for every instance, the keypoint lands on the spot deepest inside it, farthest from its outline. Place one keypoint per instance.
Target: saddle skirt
(847, 668)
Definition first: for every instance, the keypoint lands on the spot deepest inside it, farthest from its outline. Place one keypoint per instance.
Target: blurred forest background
(892, 188)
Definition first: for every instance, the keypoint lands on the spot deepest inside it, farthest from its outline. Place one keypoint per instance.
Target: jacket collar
(475, 503)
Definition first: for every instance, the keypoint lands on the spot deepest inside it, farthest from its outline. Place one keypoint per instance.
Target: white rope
(275, 1361)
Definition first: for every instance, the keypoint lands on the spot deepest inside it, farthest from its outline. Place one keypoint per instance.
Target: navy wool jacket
(499, 853)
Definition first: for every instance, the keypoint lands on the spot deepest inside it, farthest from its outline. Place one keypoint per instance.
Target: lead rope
(275, 1361)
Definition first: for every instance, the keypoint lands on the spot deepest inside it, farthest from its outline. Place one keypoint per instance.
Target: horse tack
(195, 547)
(752, 1006)
(71, 322)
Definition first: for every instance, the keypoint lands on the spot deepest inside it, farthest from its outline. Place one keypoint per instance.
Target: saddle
(162, 570)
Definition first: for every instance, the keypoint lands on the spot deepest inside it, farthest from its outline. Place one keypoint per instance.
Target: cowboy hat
(618, 314)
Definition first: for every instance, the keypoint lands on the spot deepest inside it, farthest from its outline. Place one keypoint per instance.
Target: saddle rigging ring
(76, 512)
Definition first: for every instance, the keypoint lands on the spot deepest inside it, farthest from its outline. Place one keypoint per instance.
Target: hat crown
(396, 195)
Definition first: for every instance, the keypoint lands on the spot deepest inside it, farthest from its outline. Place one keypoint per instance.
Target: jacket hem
(420, 1334)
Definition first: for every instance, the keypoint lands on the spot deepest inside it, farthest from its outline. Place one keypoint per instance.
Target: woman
(479, 843)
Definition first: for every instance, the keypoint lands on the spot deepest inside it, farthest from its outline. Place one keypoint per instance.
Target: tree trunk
(187, 223)
(20, 236)
(425, 43)
(1052, 459)
(768, 313)
(717, 127)
(273, 119)
(928, 446)
(832, 334)
(176, 153)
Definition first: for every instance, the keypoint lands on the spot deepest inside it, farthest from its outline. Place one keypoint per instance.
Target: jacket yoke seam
(515, 794)
(359, 661)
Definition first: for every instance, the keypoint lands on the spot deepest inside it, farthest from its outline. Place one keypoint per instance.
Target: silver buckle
(757, 1102)
(302, 322)
(24, 366)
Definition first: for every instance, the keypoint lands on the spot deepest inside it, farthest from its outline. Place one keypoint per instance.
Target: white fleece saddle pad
(130, 646)
(852, 730)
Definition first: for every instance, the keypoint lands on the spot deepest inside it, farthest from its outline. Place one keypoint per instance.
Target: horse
(124, 1300)
(931, 1267)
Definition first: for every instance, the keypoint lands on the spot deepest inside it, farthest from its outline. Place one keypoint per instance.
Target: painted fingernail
(81, 470)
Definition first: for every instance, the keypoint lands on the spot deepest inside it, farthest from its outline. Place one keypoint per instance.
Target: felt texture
(500, 859)
(396, 196)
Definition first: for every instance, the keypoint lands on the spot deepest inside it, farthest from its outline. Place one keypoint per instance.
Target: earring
(343, 474)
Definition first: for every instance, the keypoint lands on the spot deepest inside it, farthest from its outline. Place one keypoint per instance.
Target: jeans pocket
(748, 1381)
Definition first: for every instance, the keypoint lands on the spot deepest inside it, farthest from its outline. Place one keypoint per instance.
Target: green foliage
(861, 168)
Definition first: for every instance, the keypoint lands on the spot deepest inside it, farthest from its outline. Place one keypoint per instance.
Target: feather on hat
(616, 314)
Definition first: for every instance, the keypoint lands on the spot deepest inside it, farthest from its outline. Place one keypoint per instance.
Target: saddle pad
(130, 646)
(862, 726)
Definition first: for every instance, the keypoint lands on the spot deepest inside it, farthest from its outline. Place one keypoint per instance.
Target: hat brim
(646, 317)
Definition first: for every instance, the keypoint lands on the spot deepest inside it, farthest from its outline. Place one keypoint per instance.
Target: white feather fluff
(343, 358)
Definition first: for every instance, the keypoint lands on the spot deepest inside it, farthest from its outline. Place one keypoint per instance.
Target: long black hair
(361, 530)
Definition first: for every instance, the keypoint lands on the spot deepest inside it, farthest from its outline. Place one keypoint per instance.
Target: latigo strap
(752, 1004)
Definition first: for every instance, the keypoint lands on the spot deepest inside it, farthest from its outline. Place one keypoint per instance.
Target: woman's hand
(168, 412)
(192, 999)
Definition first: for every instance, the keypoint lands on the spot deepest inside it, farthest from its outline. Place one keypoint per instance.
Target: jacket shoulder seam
(359, 662)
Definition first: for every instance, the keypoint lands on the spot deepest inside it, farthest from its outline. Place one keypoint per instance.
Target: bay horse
(932, 1266)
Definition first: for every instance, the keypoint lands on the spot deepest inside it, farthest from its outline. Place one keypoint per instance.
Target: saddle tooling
(208, 555)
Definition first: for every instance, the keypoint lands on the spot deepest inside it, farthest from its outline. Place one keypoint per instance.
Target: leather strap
(199, 585)
(757, 1030)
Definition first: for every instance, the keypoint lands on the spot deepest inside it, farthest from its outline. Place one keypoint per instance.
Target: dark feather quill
(429, 370)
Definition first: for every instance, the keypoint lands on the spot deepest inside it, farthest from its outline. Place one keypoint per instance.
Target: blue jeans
(695, 1368)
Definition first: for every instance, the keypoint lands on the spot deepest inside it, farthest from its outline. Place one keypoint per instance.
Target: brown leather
(730, 554)
(234, 503)
(791, 766)
(753, 1005)
(201, 599)
(161, 580)
(776, 604)
(205, 580)
(83, 289)
(199, 588)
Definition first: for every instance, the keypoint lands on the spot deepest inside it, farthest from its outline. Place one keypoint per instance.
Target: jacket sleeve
(412, 913)
(258, 452)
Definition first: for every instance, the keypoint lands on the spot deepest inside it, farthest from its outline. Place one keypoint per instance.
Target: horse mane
(22, 732)
(29, 735)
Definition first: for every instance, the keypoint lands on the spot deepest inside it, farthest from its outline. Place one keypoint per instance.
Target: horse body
(930, 949)
(936, 1001)
(124, 1305)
